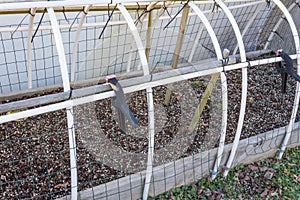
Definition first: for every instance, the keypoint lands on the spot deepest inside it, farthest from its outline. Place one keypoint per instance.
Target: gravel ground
(34, 153)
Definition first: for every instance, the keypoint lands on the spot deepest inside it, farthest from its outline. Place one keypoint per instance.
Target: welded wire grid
(35, 152)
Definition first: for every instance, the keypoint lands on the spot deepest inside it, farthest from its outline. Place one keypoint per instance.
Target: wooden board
(192, 168)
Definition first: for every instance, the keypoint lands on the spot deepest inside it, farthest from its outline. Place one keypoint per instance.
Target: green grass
(266, 179)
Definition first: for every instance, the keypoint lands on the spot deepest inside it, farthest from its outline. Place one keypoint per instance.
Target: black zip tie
(298, 4)
(31, 13)
(12, 34)
(84, 10)
(211, 51)
(223, 65)
(249, 64)
(64, 13)
(215, 7)
(268, 3)
(166, 9)
(175, 16)
(284, 18)
(37, 28)
(109, 17)
(70, 94)
(279, 35)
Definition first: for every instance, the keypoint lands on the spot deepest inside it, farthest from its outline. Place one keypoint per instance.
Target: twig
(175, 15)
(109, 18)
(40, 22)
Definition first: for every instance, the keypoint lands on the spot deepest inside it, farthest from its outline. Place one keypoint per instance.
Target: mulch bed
(34, 152)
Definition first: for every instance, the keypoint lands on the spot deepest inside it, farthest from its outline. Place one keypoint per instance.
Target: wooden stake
(203, 101)
(185, 14)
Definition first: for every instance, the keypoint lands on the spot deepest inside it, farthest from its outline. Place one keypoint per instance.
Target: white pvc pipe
(29, 47)
(10, 29)
(150, 103)
(60, 49)
(244, 83)
(248, 25)
(297, 92)
(74, 55)
(72, 145)
(136, 37)
(149, 169)
(223, 83)
(270, 38)
(43, 4)
(69, 109)
(139, 87)
(149, 7)
(195, 45)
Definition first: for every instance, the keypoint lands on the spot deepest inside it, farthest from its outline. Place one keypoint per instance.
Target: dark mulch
(34, 152)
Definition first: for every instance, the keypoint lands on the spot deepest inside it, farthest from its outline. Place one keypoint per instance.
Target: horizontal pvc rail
(297, 92)
(223, 83)
(69, 109)
(239, 38)
(43, 4)
(45, 27)
(149, 81)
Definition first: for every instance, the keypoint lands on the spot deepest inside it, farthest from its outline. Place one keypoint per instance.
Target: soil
(34, 152)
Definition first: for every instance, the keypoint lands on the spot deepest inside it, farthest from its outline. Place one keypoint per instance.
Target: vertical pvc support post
(150, 102)
(77, 36)
(29, 47)
(244, 83)
(69, 110)
(297, 95)
(217, 47)
(270, 38)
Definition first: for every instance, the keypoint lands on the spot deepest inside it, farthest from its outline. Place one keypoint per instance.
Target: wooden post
(148, 36)
(185, 14)
(203, 101)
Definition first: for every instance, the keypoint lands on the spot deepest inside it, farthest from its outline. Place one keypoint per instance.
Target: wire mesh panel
(62, 133)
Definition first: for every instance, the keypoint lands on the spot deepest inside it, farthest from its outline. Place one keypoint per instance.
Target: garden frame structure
(130, 186)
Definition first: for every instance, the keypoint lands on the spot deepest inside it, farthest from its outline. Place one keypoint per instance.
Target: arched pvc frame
(74, 55)
(150, 102)
(249, 24)
(149, 7)
(244, 84)
(195, 45)
(69, 110)
(297, 95)
(29, 47)
(223, 82)
(270, 38)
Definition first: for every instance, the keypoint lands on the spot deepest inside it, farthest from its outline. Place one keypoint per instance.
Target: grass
(266, 179)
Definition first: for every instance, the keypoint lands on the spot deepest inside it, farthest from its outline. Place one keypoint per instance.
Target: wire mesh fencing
(61, 135)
